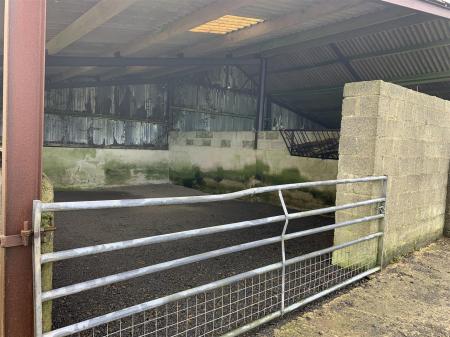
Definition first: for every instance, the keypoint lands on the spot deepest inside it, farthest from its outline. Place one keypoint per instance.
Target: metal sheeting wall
(212, 109)
(121, 116)
(223, 99)
(102, 132)
(282, 118)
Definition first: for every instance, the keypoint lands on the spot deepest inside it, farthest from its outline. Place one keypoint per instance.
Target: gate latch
(381, 208)
(22, 239)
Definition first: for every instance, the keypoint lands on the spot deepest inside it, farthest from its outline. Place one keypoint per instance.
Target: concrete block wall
(228, 161)
(209, 150)
(390, 130)
(229, 153)
(234, 150)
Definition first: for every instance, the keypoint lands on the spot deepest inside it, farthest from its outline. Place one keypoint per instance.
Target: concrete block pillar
(390, 130)
(357, 148)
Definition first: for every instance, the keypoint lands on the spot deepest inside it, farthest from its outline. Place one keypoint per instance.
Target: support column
(268, 115)
(23, 98)
(261, 99)
(261, 95)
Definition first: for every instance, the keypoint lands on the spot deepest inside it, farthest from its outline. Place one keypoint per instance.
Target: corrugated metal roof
(267, 9)
(403, 65)
(433, 30)
(293, 7)
(60, 14)
(140, 19)
(330, 75)
(308, 57)
(400, 53)
(146, 17)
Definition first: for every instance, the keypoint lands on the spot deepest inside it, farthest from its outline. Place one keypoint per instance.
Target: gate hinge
(22, 239)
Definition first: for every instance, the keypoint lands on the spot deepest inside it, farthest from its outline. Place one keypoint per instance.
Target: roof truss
(89, 21)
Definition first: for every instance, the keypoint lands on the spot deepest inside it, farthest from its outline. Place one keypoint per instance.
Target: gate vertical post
(23, 101)
(283, 252)
(382, 224)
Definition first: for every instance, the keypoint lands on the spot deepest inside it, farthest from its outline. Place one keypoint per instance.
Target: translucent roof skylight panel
(226, 24)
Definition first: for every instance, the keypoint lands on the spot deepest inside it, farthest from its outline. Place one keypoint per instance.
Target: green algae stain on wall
(189, 176)
(158, 171)
(71, 168)
(68, 167)
(220, 180)
(117, 173)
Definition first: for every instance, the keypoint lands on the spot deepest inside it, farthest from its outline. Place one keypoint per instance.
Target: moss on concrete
(71, 168)
(117, 173)
(157, 171)
(220, 180)
(59, 160)
(189, 176)
(286, 176)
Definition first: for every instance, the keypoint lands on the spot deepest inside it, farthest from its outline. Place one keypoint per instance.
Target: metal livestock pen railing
(226, 307)
(322, 144)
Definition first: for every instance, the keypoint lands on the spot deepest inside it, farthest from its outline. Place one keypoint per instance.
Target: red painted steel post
(23, 104)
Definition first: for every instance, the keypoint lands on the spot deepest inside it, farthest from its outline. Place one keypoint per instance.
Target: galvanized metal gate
(226, 307)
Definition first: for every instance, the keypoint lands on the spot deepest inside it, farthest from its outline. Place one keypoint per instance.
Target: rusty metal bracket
(22, 239)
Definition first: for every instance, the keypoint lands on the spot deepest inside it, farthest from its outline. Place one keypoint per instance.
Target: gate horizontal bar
(326, 210)
(108, 247)
(332, 249)
(93, 322)
(105, 204)
(333, 226)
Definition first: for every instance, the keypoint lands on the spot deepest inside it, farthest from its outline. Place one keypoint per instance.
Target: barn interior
(165, 98)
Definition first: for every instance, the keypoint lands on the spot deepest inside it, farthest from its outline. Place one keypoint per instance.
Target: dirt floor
(409, 298)
(78, 229)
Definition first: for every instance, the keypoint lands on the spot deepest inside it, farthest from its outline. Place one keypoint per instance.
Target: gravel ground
(78, 229)
(409, 298)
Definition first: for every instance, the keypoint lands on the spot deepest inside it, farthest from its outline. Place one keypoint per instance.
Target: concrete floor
(409, 298)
